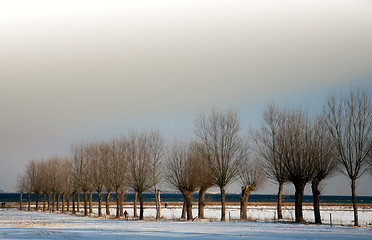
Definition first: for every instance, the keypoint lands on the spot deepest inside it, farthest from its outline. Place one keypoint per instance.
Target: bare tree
(296, 149)
(105, 155)
(266, 144)
(22, 186)
(219, 133)
(156, 153)
(205, 175)
(252, 178)
(66, 171)
(139, 163)
(118, 169)
(54, 165)
(45, 188)
(81, 173)
(324, 163)
(97, 169)
(183, 174)
(33, 170)
(349, 121)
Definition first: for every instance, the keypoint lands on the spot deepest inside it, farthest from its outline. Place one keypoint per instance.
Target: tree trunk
(58, 197)
(141, 205)
(48, 201)
(314, 187)
(117, 203)
(299, 195)
(53, 201)
(122, 192)
(20, 201)
(223, 205)
(44, 201)
(85, 203)
(90, 202)
(73, 203)
(108, 204)
(99, 204)
(188, 201)
(63, 202)
(67, 201)
(183, 215)
(202, 192)
(135, 205)
(37, 195)
(78, 202)
(280, 200)
(246, 191)
(158, 204)
(29, 201)
(353, 196)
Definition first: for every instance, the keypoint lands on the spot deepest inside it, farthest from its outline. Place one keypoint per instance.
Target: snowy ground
(37, 225)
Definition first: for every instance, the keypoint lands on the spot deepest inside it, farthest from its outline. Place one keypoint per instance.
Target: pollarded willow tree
(22, 187)
(219, 135)
(34, 178)
(295, 144)
(118, 174)
(140, 154)
(156, 155)
(182, 172)
(252, 177)
(205, 176)
(266, 144)
(349, 122)
(324, 162)
(80, 171)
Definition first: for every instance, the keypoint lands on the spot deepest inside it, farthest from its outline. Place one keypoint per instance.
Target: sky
(73, 71)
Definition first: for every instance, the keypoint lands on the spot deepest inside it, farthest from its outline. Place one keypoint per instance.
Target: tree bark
(44, 201)
(314, 187)
(63, 202)
(37, 195)
(85, 204)
(246, 191)
(53, 201)
(183, 215)
(90, 202)
(158, 204)
(67, 201)
(141, 205)
(78, 202)
(188, 202)
(20, 201)
(223, 205)
(353, 196)
(73, 203)
(108, 204)
(135, 204)
(280, 200)
(48, 201)
(29, 201)
(58, 197)
(299, 195)
(117, 203)
(122, 192)
(99, 204)
(202, 192)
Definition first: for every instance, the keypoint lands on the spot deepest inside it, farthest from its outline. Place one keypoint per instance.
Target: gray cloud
(86, 64)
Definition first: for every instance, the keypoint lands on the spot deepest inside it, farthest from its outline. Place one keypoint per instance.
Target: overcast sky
(74, 71)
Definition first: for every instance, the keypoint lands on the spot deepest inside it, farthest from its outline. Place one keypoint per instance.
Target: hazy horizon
(83, 70)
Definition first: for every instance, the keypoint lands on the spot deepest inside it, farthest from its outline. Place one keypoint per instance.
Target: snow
(16, 224)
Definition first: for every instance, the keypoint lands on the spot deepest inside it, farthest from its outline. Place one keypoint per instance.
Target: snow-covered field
(16, 224)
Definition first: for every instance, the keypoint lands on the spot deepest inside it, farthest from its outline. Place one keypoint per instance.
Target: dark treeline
(291, 146)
